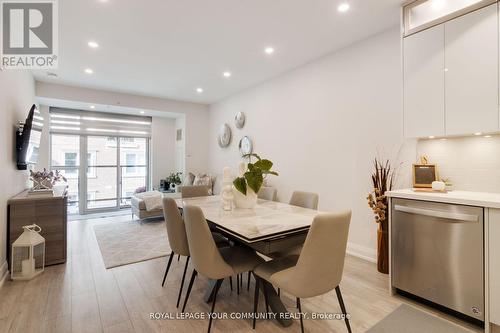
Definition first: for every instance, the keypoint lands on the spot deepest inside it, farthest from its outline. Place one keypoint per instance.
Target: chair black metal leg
(342, 307)
(301, 320)
(182, 281)
(266, 299)
(238, 284)
(217, 286)
(297, 303)
(248, 281)
(231, 282)
(255, 300)
(279, 292)
(178, 257)
(168, 267)
(241, 281)
(193, 276)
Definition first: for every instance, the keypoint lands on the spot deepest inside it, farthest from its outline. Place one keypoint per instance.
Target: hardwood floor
(83, 296)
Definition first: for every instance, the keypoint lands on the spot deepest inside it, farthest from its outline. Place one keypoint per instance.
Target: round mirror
(224, 137)
(245, 146)
(239, 120)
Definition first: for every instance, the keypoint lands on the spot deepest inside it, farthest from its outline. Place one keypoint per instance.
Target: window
(111, 142)
(130, 160)
(91, 161)
(71, 160)
(113, 168)
(422, 14)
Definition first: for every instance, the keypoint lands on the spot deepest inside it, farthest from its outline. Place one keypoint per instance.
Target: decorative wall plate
(239, 120)
(245, 146)
(224, 138)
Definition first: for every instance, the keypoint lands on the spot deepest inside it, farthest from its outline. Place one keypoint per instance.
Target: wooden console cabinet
(47, 211)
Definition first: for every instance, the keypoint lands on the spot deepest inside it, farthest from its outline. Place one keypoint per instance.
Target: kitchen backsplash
(471, 163)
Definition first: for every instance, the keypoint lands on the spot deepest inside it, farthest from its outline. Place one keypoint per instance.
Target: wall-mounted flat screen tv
(28, 138)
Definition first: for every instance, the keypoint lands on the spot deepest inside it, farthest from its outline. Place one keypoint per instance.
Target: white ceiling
(168, 48)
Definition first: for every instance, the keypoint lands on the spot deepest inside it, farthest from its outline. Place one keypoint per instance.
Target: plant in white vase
(250, 180)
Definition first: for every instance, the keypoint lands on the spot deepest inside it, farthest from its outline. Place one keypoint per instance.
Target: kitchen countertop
(480, 199)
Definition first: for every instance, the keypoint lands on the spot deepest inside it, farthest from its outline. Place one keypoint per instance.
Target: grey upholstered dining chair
(304, 199)
(194, 191)
(267, 193)
(177, 238)
(210, 261)
(319, 267)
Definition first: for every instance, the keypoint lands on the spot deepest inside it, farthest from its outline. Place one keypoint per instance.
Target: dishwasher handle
(437, 213)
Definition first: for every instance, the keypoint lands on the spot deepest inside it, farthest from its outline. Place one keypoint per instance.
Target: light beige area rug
(124, 243)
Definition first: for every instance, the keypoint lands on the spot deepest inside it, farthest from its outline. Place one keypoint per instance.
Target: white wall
(162, 148)
(471, 163)
(322, 125)
(195, 115)
(17, 94)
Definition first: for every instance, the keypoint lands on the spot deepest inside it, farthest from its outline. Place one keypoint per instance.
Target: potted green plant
(174, 179)
(250, 180)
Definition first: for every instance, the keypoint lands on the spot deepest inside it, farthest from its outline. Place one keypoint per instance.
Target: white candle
(26, 266)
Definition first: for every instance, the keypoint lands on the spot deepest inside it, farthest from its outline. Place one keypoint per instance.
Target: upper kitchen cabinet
(471, 74)
(424, 83)
(451, 69)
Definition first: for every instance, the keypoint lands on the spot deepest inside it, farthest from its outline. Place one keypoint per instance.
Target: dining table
(270, 227)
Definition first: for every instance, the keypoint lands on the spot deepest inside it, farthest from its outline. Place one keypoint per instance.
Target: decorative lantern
(28, 254)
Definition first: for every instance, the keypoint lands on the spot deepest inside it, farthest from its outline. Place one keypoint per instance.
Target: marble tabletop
(268, 219)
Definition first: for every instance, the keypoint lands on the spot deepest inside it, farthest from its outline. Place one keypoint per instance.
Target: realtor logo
(29, 34)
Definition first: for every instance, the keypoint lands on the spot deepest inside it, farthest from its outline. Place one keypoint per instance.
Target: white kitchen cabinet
(494, 265)
(424, 83)
(471, 76)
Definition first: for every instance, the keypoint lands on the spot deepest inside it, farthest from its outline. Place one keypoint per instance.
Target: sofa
(138, 206)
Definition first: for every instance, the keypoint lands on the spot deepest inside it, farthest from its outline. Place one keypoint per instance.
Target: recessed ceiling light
(226, 74)
(89, 71)
(93, 44)
(478, 133)
(142, 112)
(432, 137)
(343, 7)
(487, 136)
(92, 107)
(269, 50)
(199, 90)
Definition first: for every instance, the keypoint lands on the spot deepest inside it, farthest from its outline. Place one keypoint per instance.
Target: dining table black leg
(276, 305)
(274, 302)
(248, 281)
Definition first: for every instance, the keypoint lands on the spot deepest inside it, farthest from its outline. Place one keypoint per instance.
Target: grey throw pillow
(189, 179)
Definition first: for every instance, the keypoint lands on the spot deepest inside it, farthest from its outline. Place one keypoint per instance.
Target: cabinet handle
(436, 213)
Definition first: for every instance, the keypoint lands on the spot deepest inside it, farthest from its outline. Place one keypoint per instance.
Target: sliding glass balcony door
(101, 183)
(133, 167)
(103, 172)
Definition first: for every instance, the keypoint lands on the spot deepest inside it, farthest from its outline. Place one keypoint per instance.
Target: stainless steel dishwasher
(437, 253)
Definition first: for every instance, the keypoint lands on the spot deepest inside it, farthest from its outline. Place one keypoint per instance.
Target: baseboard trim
(4, 273)
(362, 252)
